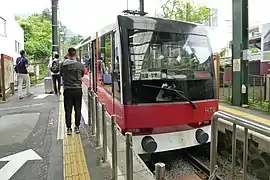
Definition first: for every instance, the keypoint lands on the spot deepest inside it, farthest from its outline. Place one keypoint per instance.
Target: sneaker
(21, 97)
(29, 94)
(69, 131)
(77, 130)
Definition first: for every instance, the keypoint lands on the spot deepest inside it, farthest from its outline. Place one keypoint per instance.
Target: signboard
(265, 44)
(8, 69)
(9, 72)
(236, 65)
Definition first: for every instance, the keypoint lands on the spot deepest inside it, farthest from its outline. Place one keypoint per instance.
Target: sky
(85, 17)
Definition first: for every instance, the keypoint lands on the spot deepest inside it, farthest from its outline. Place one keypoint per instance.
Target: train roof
(149, 23)
(160, 24)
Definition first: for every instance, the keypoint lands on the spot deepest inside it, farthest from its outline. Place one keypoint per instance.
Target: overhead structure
(55, 47)
(136, 12)
(240, 48)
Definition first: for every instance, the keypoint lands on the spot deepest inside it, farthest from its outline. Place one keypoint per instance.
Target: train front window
(179, 61)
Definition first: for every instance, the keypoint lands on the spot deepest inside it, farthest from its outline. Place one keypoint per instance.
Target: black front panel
(165, 53)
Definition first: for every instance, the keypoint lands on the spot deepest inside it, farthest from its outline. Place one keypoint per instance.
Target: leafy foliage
(186, 11)
(221, 53)
(254, 50)
(37, 35)
(75, 40)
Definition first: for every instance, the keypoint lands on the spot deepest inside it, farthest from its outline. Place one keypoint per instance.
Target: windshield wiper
(179, 93)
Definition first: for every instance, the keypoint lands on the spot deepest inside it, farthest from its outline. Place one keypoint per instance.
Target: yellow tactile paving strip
(74, 164)
(245, 115)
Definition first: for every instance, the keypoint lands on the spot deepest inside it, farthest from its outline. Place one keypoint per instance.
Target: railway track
(200, 171)
(203, 172)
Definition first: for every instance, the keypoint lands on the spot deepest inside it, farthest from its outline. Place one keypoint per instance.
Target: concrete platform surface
(34, 145)
(247, 113)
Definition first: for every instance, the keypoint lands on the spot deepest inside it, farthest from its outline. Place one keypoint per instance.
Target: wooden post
(3, 77)
(12, 89)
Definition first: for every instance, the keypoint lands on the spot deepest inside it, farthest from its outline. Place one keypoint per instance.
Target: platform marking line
(74, 161)
(61, 122)
(24, 106)
(84, 111)
(245, 115)
(41, 96)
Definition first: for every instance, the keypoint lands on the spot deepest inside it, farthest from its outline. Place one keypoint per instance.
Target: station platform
(34, 144)
(259, 117)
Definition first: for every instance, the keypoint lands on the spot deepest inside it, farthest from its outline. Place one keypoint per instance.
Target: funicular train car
(157, 76)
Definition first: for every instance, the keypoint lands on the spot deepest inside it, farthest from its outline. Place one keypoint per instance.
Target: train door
(114, 72)
(118, 76)
(89, 63)
(93, 66)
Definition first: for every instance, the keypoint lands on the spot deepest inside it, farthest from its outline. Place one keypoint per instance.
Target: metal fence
(107, 136)
(259, 96)
(38, 71)
(236, 121)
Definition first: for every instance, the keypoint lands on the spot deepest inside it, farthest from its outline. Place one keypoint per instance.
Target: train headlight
(149, 144)
(201, 136)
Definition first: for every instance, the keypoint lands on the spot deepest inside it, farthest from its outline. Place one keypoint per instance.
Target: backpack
(19, 65)
(55, 67)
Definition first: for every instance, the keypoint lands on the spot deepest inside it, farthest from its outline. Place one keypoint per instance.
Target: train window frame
(204, 64)
(116, 63)
(94, 67)
(106, 61)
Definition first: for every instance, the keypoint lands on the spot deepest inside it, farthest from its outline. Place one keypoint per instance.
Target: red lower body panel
(156, 115)
(167, 115)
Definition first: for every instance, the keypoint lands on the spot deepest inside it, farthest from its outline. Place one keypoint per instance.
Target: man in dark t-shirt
(22, 74)
(72, 72)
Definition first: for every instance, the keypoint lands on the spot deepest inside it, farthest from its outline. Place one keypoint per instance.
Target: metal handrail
(248, 125)
(98, 127)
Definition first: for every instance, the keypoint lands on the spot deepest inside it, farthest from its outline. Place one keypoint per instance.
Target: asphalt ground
(30, 147)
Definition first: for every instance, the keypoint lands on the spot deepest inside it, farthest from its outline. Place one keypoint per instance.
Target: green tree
(75, 40)
(186, 11)
(37, 36)
(222, 52)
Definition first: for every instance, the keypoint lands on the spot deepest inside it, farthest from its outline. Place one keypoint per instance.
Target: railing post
(245, 154)
(104, 132)
(94, 115)
(114, 148)
(129, 156)
(214, 141)
(92, 104)
(12, 89)
(97, 123)
(233, 150)
(90, 107)
(160, 171)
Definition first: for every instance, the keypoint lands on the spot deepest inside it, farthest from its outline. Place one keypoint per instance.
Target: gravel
(177, 166)
(224, 168)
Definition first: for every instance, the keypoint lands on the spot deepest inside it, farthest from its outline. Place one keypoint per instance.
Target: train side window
(116, 69)
(106, 63)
